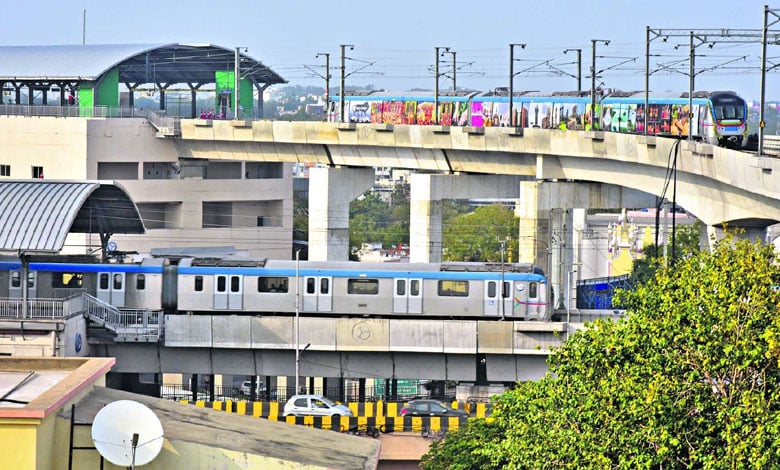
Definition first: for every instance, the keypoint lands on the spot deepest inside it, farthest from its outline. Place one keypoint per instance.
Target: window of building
(272, 284)
(37, 172)
(363, 286)
(5, 170)
(449, 288)
(198, 283)
(67, 280)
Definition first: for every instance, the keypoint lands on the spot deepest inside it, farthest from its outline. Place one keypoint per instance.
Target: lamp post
(512, 78)
(297, 320)
(343, 76)
(593, 117)
(436, 83)
(579, 67)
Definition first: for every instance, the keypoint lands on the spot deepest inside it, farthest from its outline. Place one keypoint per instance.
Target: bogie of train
(383, 290)
(718, 118)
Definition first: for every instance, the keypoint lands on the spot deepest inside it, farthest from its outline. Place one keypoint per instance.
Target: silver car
(314, 405)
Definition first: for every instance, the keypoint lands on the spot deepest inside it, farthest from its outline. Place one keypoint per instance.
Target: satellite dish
(127, 433)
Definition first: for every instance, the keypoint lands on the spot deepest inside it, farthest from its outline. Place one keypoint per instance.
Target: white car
(314, 405)
(246, 388)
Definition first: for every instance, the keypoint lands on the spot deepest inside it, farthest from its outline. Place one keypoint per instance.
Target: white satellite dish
(127, 433)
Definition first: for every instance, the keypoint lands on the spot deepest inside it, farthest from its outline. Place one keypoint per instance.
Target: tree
(372, 219)
(478, 236)
(687, 241)
(689, 379)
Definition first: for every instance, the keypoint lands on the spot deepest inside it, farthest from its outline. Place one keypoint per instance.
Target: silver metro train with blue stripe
(191, 285)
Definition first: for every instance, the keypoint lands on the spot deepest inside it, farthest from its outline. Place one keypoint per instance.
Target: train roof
(502, 92)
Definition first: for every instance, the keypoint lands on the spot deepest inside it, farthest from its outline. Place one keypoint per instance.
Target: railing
(71, 111)
(136, 324)
(282, 394)
(772, 144)
(41, 309)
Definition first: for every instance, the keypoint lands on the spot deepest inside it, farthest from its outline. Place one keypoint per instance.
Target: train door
(407, 295)
(317, 293)
(15, 285)
(111, 288)
(494, 296)
(534, 300)
(228, 292)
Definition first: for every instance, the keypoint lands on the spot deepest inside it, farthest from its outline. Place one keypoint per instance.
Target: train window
(363, 286)
(324, 285)
(140, 282)
(198, 283)
(272, 284)
(453, 288)
(414, 287)
(16, 279)
(491, 290)
(310, 285)
(67, 280)
(117, 281)
(221, 284)
(103, 282)
(532, 288)
(400, 287)
(506, 292)
(235, 284)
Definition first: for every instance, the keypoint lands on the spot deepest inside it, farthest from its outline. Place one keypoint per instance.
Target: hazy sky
(399, 37)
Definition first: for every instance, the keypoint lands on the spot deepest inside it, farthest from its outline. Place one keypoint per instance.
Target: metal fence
(41, 309)
(282, 394)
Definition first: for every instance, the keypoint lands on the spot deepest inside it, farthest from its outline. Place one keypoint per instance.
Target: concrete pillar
(424, 221)
(427, 192)
(331, 191)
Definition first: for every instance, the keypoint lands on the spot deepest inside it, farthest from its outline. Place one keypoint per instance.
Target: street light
(579, 67)
(512, 79)
(297, 320)
(594, 121)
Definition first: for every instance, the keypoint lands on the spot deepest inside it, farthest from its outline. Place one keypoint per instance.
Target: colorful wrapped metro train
(718, 118)
(382, 290)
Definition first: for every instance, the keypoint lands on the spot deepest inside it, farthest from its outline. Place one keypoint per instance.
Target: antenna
(127, 433)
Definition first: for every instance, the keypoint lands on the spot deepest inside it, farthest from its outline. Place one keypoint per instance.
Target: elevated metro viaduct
(554, 174)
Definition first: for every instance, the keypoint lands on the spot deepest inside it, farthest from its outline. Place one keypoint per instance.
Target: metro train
(194, 285)
(719, 118)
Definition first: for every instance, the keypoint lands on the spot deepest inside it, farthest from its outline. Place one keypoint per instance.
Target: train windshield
(729, 107)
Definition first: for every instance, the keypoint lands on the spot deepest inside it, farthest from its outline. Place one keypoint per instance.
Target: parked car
(314, 405)
(246, 388)
(431, 408)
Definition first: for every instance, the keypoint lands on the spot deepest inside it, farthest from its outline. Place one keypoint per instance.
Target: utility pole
(436, 83)
(594, 116)
(236, 71)
(454, 71)
(327, 81)
(579, 68)
(512, 80)
(691, 85)
(761, 122)
(341, 87)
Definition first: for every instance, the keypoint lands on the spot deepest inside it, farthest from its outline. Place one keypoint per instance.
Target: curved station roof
(136, 63)
(37, 215)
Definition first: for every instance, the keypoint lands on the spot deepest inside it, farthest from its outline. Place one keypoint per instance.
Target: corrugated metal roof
(137, 63)
(37, 215)
(65, 62)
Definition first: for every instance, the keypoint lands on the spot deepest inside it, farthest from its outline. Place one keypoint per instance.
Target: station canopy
(37, 215)
(194, 64)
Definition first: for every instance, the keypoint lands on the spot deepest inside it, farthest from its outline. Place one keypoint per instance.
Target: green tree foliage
(690, 378)
(687, 241)
(300, 216)
(477, 236)
(373, 220)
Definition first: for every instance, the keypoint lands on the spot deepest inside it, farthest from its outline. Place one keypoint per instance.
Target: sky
(394, 40)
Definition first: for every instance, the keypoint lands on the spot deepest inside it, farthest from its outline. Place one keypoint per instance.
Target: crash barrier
(376, 410)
